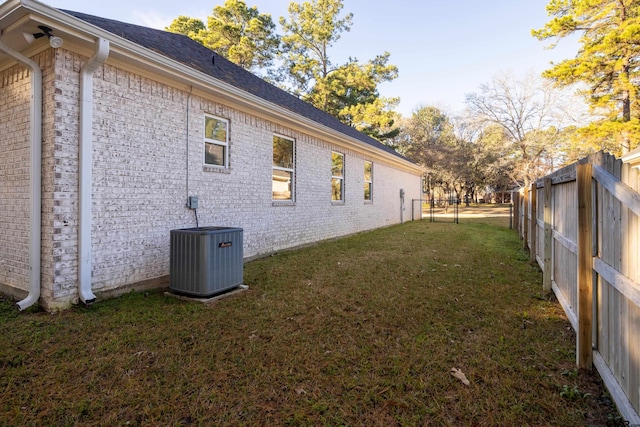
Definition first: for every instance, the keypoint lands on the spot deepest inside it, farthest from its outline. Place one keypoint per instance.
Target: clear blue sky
(443, 49)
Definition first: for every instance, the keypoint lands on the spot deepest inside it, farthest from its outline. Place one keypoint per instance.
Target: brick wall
(141, 182)
(148, 157)
(139, 176)
(59, 174)
(243, 197)
(14, 178)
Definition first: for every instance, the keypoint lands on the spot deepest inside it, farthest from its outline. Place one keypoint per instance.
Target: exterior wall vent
(205, 261)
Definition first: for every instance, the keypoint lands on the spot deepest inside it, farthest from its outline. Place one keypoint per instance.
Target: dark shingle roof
(192, 54)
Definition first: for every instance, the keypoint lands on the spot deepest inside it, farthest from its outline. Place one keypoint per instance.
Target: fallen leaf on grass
(460, 375)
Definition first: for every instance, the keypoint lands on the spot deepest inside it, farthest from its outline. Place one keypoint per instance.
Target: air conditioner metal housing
(205, 261)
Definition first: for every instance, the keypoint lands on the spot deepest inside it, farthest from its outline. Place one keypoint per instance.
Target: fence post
(548, 237)
(456, 210)
(516, 212)
(525, 219)
(533, 234)
(511, 214)
(431, 210)
(584, 352)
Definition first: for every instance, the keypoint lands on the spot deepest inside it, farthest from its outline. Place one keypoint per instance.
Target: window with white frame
(337, 177)
(283, 181)
(216, 141)
(368, 181)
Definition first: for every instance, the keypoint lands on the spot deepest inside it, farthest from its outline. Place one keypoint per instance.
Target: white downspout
(85, 175)
(35, 187)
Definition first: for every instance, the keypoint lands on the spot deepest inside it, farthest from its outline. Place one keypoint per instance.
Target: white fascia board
(9, 6)
(632, 158)
(150, 59)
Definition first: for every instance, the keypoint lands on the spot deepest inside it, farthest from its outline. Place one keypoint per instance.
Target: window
(283, 168)
(368, 181)
(337, 177)
(216, 141)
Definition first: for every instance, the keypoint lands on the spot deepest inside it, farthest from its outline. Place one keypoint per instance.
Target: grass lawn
(358, 331)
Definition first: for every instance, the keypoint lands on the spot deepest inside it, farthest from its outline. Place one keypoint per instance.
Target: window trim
(224, 144)
(291, 170)
(370, 181)
(339, 177)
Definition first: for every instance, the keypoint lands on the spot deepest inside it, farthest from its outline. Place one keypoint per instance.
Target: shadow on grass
(358, 331)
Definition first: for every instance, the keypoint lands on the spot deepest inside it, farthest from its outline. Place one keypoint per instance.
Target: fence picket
(548, 236)
(627, 287)
(618, 189)
(584, 354)
(584, 232)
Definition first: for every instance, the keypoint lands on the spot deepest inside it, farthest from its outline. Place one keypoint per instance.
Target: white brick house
(104, 138)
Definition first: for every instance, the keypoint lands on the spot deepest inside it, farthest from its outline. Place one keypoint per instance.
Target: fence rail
(581, 224)
(444, 209)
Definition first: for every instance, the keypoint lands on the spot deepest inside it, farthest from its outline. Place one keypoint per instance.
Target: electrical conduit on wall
(85, 177)
(187, 144)
(35, 188)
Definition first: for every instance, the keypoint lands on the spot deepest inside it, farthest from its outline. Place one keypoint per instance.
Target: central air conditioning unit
(205, 261)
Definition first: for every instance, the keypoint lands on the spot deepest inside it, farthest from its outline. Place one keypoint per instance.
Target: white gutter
(633, 158)
(35, 186)
(85, 175)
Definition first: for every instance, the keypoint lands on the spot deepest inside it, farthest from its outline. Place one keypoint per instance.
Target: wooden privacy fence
(581, 224)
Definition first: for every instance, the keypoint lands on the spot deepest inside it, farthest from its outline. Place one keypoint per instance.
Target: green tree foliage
(242, 34)
(313, 27)
(239, 33)
(607, 61)
(190, 27)
(428, 139)
(424, 134)
(349, 91)
(605, 135)
(489, 166)
(376, 118)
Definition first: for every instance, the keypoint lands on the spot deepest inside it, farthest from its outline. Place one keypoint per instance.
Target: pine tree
(607, 61)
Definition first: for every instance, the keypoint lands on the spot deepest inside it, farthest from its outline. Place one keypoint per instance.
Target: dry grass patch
(359, 331)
